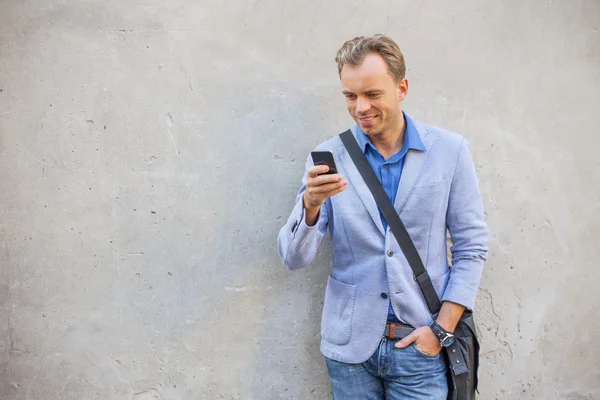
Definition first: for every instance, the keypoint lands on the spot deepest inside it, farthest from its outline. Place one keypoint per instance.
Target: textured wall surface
(151, 150)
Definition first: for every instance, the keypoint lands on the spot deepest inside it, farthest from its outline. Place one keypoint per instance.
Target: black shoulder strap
(393, 219)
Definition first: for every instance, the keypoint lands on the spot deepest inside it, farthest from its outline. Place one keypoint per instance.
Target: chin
(369, 130)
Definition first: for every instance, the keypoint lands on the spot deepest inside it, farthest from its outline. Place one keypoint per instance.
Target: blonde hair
(353, 53)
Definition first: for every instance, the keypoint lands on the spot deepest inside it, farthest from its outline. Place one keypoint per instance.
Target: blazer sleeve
(468, 232)
(297, 242)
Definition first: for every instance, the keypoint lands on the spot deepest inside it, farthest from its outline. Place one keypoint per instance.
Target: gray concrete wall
(150, 151)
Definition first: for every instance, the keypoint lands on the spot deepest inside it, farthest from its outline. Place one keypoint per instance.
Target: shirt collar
(412, 139)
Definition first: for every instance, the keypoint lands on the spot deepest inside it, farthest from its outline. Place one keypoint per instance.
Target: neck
(390, 142)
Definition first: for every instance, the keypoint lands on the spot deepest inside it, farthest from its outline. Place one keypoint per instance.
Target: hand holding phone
(322, 182)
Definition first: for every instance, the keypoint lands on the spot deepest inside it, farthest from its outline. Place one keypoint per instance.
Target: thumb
(407, 340)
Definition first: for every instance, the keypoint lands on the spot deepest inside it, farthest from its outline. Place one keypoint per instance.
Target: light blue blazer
(438, 191)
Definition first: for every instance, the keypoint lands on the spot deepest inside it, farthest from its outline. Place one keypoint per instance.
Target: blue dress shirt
(389, 171)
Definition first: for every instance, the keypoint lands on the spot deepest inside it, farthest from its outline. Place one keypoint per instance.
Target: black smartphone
(324, 158)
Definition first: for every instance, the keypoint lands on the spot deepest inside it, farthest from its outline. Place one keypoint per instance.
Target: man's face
(373, 99)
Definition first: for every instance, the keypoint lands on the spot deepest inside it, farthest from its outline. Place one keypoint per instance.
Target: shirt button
(384, 296)
(385, 165)
(390, 253)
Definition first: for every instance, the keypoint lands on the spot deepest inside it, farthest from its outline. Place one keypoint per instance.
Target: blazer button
(384, 296)
(390, 253)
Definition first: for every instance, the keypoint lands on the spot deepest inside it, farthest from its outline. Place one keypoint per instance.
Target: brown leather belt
(397, 331)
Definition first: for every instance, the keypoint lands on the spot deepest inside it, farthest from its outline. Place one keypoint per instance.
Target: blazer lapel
(361, 188)
(413, 166)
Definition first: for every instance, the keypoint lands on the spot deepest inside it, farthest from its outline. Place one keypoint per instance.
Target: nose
(362, 106)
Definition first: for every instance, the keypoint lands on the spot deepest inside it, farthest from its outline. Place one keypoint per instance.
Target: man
(429, 176)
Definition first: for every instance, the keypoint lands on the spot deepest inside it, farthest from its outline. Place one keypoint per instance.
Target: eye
(350, 96)
(374, 95)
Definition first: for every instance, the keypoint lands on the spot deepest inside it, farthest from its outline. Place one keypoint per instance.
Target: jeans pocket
(421, 352)
(338, 312)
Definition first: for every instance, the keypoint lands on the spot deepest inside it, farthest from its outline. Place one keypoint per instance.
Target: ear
(402, 89)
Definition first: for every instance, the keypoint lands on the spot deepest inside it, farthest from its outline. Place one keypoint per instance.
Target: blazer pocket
(338, 311)
(430, 188)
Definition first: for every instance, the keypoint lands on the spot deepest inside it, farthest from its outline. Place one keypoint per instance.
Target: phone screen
(324, 158)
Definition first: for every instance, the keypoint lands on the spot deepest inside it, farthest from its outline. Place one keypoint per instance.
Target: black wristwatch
(446, 338)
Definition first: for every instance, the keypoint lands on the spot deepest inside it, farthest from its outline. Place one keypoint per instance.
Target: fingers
(334, 191)
(320, 186)
(326, 190)
(424, 341)
(341, 188)
(317, 195)
(323, 179)
(317, 170)
(323, 182)
(326, 187)
(407, 340)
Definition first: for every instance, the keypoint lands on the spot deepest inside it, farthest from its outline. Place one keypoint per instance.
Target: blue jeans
(390, 374)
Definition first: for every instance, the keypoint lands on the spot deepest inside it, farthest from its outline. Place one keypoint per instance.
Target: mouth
(367, 120)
